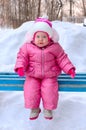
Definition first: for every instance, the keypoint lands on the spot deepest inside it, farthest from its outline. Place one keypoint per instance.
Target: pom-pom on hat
(44, 25)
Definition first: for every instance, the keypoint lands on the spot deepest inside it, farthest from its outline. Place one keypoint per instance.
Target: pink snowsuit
(42, 67)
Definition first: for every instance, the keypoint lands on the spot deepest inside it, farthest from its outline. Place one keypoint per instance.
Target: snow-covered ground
(71, 111)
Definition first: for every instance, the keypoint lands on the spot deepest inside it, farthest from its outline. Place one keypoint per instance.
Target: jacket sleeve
(62, 60)
(22, 59)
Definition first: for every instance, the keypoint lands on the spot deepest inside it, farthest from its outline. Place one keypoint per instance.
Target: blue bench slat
(11, 88)
(69, 89)
(9, 75)
(67, 77)
(79, 82)
(77, 74)
(11, 81)
(66, 88)
(21, 81)
(62, 76)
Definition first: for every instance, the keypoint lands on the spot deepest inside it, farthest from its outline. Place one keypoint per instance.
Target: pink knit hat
(43, 24)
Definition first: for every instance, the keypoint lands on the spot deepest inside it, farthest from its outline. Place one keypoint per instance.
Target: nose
(41, 39)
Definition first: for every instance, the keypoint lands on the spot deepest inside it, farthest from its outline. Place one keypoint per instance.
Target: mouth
(40, 43)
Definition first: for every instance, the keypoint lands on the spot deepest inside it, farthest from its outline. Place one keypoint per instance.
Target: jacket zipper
(42, 61)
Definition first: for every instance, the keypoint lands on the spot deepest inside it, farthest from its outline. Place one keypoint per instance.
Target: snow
(71, 111)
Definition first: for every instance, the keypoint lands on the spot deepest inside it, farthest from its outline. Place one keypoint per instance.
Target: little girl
(41, 60)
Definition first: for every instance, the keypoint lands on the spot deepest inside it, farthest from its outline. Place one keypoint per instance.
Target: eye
(44, 36)
(38, 36)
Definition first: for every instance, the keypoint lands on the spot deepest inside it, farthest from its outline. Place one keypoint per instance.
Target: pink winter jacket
(43, 62)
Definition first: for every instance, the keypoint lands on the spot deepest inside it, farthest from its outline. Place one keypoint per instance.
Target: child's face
(41, 39)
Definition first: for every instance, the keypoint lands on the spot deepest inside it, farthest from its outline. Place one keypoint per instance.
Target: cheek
(47, 41)
(35, 40)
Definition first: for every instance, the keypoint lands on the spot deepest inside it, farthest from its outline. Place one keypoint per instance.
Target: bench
(12, 82)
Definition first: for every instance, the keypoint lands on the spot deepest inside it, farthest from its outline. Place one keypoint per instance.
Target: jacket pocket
(30, 69)
(54, 68)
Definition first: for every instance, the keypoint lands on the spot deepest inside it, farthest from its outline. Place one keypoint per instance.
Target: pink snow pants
(36, 89)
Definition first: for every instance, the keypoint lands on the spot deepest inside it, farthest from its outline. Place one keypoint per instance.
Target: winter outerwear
(42, 66)
(43, 62)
